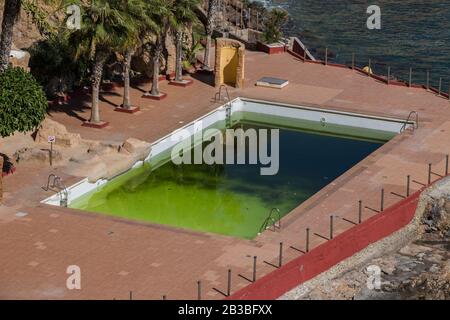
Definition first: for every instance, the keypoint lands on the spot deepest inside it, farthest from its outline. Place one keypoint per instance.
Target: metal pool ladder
(412, 114)
(275, 218)
(55, 184)
(218, 98)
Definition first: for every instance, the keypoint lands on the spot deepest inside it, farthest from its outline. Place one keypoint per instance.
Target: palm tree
(104, 27)
(184, 14)
(213, 8)
(142, 13)
(11, 13)
(159, 12)
(274, 21)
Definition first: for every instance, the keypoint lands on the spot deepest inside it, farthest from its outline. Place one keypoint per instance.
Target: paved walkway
(117, 256)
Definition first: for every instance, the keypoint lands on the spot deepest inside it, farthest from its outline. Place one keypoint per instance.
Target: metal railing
(218, 98)
(272, 221)
(218, 95)
(55, 184)
(409, 120)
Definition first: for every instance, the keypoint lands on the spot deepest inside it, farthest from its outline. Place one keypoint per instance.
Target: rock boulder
(63, 137)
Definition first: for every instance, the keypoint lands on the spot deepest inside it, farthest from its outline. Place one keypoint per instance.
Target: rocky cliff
(25, 33)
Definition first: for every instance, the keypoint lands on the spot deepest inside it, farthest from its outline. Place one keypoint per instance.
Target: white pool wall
(245, 105)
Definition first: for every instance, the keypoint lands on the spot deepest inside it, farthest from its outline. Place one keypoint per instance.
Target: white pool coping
(316, 114)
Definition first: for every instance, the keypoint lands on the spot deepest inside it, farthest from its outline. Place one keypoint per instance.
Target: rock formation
(63, 137)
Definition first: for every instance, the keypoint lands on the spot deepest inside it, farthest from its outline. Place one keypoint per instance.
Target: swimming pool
(315, 147)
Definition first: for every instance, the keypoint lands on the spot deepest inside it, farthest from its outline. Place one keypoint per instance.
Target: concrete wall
(230, 60)
(329, 254)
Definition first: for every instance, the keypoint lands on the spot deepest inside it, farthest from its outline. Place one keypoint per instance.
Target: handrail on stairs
(272, 222)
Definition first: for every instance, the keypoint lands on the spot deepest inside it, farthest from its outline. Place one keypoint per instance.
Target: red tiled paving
(117, 256)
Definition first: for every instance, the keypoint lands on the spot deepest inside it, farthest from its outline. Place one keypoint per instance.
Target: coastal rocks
(434, 285)
(63, 137)
(438, 217)
(418, 269)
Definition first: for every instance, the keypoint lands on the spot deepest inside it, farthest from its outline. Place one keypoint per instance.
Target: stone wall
(143, 61)
(230, 62)
(25, 32)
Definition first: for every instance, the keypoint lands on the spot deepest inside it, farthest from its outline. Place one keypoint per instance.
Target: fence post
(199, 290)
(359, 211)
(326, 56)
(382, 200)
(408, 182)
(280, 257)
(257, 21)
(242, 16)
(410, 77)
(429, 173)
(370, 68)
(229, 283)
(331, 226)
(389, 75)
(440, 87)
(446, 165)
(428, 80)
(307, 239)
(353, 61)
(254, 268)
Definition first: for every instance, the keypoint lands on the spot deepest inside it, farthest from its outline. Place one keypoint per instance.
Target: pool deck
(117, 256)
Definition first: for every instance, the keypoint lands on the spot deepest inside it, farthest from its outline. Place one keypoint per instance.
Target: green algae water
(231, 200)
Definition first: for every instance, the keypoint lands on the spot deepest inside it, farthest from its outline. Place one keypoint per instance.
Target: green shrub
(274, 20)
(23, 103)
(52, 61)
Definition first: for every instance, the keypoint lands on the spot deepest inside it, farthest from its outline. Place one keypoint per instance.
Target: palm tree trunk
(126, 73)
(179, 56)
(156, 58)
(207, 58)
(212, 11)
(100, 59)
(11, 13)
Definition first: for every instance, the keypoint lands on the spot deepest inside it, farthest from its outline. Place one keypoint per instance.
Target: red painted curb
(270, 50)
(327, 255)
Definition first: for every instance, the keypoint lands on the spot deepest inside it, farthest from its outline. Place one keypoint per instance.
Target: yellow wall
(229, 62)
